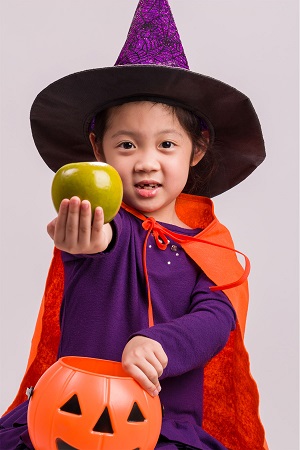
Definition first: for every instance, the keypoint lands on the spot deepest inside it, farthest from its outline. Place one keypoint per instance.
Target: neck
(159, 216)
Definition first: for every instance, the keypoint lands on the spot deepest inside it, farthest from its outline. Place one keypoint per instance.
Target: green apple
(97, 182)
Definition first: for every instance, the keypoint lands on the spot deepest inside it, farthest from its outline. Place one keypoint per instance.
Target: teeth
(147, 186)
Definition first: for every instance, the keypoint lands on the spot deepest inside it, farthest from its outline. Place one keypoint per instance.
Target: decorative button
(174, 248)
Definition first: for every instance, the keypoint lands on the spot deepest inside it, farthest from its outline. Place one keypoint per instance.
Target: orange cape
(231, 397)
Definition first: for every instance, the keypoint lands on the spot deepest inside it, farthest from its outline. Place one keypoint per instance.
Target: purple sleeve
(192, 340)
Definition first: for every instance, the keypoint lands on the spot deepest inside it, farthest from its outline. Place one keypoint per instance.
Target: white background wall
(251, 45)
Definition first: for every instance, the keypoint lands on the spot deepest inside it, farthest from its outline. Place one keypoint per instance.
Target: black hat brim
(61, 115)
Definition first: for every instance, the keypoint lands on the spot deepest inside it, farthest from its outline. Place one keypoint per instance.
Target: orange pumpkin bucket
(92, 404)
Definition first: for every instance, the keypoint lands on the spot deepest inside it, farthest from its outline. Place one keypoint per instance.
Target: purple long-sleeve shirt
(105, 304)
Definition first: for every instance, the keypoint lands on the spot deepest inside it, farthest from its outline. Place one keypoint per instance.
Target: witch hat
(151, 66)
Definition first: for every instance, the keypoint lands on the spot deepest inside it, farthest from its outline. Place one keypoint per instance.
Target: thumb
(51, 228)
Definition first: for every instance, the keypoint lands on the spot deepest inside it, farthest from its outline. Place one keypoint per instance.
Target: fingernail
(155, 393)
(75, 200)
(85, 204)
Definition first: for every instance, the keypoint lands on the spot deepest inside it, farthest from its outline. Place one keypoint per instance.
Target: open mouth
(148, 186)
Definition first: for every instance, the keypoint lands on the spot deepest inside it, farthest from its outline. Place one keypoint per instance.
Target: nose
(147, 162)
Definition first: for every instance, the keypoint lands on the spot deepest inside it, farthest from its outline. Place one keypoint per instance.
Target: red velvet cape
(231, 397)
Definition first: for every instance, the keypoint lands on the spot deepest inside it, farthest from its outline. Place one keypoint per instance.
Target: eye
(126, 145)
(72, 406)
(167, 144)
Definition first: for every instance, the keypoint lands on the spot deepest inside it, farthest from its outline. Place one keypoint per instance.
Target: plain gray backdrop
(250, 44)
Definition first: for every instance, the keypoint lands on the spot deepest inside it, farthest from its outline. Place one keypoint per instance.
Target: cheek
(179, 165)
(178, 172)
(122, 167)
(110, 159)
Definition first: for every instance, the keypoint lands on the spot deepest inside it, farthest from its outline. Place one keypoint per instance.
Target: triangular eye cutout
(72, 406)
(104, 424)
(136, 414)
(62, 445)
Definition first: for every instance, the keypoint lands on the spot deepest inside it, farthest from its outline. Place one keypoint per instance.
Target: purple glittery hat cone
(153, 37)
(151, 66)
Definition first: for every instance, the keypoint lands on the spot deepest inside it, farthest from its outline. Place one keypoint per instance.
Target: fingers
(67, 224)
(74, 231)
(144, 359)
(98, 223)
(83, 223)
(146, 376)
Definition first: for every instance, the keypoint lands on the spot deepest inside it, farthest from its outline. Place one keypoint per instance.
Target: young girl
(142, 289)
(152, 151)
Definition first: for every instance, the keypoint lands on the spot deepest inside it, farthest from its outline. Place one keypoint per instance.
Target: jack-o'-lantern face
(87, 404)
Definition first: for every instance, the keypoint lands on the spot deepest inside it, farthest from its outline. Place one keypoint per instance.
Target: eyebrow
(133, 134)
(170, 130)
(122, 132)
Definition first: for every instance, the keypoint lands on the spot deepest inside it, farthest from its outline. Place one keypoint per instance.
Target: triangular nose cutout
(136, 414)
(62, 445)
(72, 406)
(104, 424)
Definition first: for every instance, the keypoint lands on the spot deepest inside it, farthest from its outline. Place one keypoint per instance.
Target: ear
(200, 151)
(198, 155)
(99, 155)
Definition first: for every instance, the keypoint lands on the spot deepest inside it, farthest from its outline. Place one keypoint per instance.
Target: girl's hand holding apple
(74, 231)
(87, 196)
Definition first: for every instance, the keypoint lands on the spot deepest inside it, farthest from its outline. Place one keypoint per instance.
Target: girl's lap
(166, 444)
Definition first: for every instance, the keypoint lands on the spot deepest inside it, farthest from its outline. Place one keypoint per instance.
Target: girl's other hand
(144, 359)
(73, 230)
